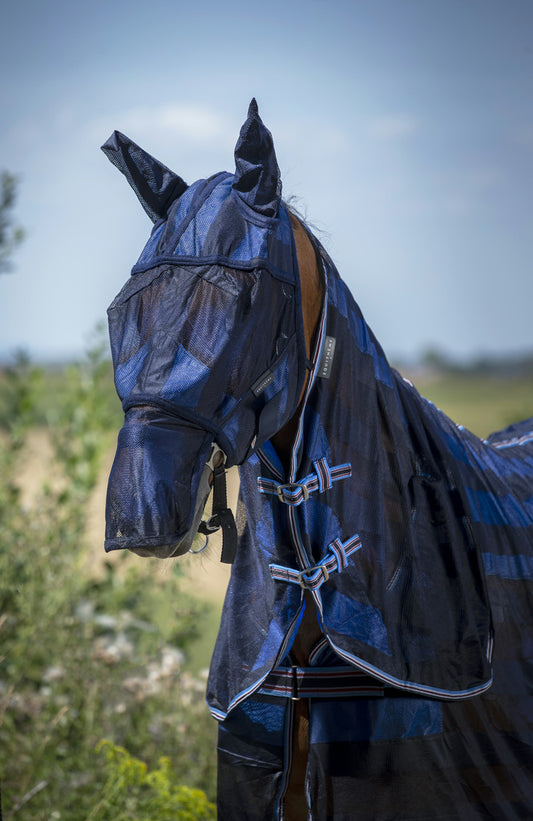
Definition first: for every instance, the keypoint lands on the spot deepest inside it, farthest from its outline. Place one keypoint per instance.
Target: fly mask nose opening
(158, 484)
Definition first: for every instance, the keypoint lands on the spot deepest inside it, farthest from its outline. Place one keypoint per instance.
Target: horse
(375, 653)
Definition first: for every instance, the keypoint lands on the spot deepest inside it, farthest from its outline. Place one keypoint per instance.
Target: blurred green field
(482, 404)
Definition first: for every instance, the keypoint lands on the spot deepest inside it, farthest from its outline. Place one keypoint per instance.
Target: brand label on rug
(326, 360)
(262, 383)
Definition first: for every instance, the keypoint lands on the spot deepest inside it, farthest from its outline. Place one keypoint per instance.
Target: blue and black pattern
(413, 536)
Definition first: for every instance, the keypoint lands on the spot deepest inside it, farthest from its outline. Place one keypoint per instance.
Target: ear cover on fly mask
(156, 185)
(257, 177)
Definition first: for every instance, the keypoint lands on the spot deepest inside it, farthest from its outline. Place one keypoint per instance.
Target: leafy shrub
(85, 656)
(132, 792)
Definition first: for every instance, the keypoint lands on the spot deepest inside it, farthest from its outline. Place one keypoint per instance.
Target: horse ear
(156, 185)
(257, 177)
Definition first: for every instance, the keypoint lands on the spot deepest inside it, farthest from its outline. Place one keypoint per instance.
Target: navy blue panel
(379, 719)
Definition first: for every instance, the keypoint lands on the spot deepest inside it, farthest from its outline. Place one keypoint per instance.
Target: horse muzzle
(159, 483)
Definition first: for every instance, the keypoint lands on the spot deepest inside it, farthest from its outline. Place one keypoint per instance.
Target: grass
(483, 404)
(200, 652)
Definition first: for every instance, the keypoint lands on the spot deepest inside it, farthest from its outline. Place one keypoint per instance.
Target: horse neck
(312, 295)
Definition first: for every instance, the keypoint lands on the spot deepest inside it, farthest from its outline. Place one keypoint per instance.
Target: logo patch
(262, 383)
(326, 360)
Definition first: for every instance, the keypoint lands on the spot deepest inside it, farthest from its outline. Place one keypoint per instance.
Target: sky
(403, 128)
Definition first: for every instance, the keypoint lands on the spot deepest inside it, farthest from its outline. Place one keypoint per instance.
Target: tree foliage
(10, 234)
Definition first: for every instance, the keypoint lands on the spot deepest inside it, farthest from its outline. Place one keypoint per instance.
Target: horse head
(207, 338)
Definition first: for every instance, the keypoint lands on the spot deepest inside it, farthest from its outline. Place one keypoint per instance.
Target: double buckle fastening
(294, 487)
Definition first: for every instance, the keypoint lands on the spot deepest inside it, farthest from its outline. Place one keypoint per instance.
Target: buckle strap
(221, 517)
(311, 578)
(294, 493)
(320, 682)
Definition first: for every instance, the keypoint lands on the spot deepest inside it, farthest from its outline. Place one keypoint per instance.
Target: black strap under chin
(221, 517)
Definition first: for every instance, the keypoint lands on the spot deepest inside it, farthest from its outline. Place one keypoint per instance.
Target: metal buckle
(308, 570)
(202, 548)
(294, 486)
(212, 524)
(294, 682)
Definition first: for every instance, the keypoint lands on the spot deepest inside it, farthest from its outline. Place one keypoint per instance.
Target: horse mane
(312, 290)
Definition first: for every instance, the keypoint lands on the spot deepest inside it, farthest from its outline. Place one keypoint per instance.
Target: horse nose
(158, 485)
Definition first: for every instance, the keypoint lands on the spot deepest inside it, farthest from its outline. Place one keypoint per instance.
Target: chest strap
(320, 682)
(311, 578)
(295, 493)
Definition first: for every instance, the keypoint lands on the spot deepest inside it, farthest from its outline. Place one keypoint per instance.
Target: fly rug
(375, 653)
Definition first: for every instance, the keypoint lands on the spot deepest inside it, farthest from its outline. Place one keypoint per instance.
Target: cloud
(393, 127)
(186, 123)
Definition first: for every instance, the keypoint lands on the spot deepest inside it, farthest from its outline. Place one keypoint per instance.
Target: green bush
(86, 656)
(133, 793)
